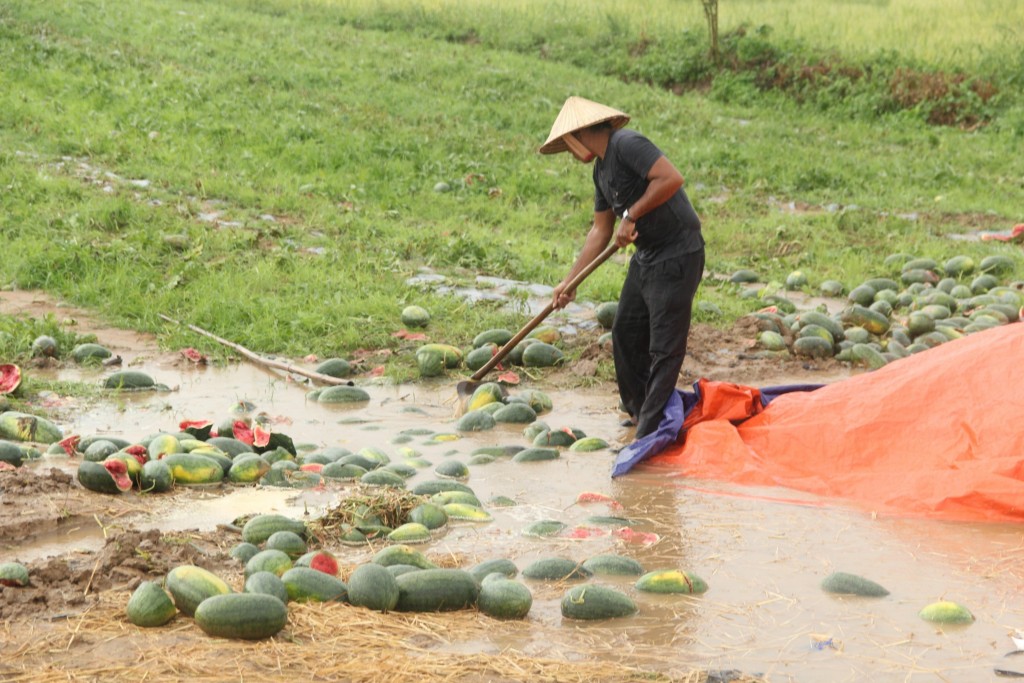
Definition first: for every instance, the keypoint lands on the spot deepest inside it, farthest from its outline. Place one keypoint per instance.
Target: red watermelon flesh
(10, 378)
(119, 471)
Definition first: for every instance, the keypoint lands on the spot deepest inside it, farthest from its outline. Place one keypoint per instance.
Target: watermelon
(436, 590)
(402, 469)
(343, 394)
(129, 379)
(372, 586)
(150, 605)
(305, 584)
(156, 476)
(475, 421)
(504, 599)
(430, 362)
(555, 569)
(410, 532)
(671, 581)
(244, 551)
(998, 265)
(535, 398)
(163, 444)
(18, 426)
(45, 345)
(334, 367)
(544, 528)
(106, 477)
(477, 358)
(505, 567)
(133, 468)
(614, 565)
(269, 560)
(588, 444)
(796, 280)
(831, 288)
(415, 316)
(247, 469)
(946, 612)
(467, 513)
(488, 392)
(590, 602)
(851, 584)
(859, 315)
(605, 313)
(98, 450)
(10, 378)
(267, 583)
(554, 438)
(190, 585)
(452, 469)
(13, 575)
(192, 469)
(813, 347)
(258, 529)
(11, 453)
(381, 477)
(399, 569)
(431, 487)
(342, 470)
(867, 355)
(542, 355)
(230, 445)
(246, 616)
(443, 498)
(288, 542)
(498, 337)
(402, 554)
(90, 353)
(744, 276)
(536, 454)
(451, 357)
(515, 413)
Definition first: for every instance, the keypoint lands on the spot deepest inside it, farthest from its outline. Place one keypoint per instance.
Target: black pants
(649, 334)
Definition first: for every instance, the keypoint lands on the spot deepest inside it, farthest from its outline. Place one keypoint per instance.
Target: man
(637, 184)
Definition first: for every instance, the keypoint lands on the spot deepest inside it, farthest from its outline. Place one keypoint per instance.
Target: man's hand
(626, 234)
(561, 298)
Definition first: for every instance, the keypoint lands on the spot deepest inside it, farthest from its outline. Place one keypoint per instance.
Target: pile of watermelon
(920, 305)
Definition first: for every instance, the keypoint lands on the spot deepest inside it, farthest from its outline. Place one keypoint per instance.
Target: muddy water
(763, 552)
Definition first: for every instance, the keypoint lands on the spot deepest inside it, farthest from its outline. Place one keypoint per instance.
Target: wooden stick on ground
(258, 359)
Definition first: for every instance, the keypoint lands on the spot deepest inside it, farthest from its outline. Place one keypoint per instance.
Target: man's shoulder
(629, 141)
(624, 136)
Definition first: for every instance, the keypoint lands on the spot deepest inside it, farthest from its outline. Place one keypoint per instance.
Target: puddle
(763, 552)
(526, 298)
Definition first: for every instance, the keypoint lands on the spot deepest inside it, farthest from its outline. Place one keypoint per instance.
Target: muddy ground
(87, 552)
(44, 500)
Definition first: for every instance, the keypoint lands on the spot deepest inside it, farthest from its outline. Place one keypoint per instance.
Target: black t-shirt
(670, 230)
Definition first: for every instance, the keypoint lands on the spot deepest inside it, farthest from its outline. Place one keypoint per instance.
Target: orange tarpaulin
(939, 434)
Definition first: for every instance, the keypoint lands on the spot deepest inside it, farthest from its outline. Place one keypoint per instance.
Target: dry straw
(322, 642)
(390, 505)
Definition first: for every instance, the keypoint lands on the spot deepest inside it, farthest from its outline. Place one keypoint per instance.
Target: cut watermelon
(10, 378)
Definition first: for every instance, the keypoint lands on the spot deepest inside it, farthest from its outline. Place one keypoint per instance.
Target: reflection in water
(763, 559)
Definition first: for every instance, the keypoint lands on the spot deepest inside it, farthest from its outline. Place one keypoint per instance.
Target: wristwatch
(627, 217)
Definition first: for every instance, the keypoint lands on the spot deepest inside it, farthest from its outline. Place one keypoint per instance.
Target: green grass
(941, 32)
(285, 154)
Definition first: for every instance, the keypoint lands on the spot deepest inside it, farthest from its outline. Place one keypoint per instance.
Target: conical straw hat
(578, 113)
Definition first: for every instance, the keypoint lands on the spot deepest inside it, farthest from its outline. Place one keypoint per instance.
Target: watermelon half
(10, 378)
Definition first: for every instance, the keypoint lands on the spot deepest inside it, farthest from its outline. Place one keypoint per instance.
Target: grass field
(941, 32)
(270, 170)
